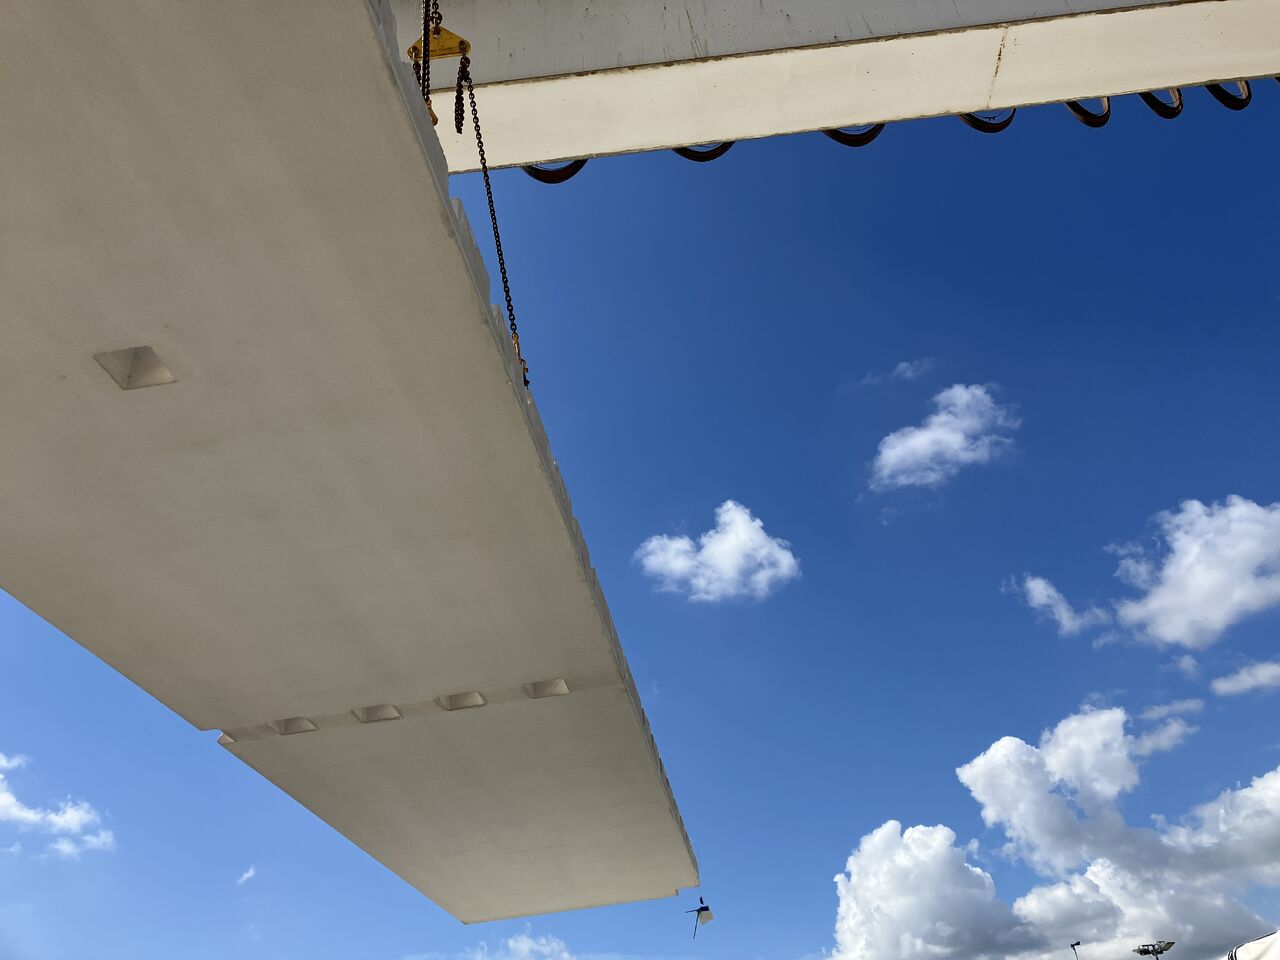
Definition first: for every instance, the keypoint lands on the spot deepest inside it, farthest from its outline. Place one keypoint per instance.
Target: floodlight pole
(1073, 949)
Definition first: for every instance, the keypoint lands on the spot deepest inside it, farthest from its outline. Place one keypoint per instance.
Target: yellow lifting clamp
(444, 44)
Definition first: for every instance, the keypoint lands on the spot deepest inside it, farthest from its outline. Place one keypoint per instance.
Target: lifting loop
(704, 154)
(1228, 99)
(983, 125)
(1087, 116)
(1166, 111)
(545, 174)
(855, 138)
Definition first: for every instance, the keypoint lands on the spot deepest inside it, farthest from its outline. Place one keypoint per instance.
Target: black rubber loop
(1166, 111)
(983, 125)
(855, 138)
(1231, 100)
(555, 174)
(1087, 116)
(704, 155)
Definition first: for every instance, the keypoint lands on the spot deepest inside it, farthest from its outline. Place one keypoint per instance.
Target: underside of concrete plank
(563, 79)
(321, 487)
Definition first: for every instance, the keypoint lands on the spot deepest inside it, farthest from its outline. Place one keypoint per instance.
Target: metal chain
(457, 96)
(464, 78)
(431, 21)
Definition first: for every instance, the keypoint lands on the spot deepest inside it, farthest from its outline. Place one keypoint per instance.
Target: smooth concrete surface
(567, 78)
(479, 807)
(345, 499)
(535, 39)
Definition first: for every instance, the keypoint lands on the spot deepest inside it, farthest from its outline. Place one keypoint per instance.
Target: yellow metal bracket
(444, 44)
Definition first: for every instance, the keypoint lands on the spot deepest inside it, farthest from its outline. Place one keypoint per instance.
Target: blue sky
(1091, 319)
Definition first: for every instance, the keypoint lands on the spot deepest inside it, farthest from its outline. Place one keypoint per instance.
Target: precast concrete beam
(561, 79)
(267, 451)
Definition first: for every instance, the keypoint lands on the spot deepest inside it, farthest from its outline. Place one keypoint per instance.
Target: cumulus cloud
(70, 821)
(1211, 566)
(1220, 563)
(1043, 596)
(967, 427)
(1256, 676)
(912, 893)
(736, 558)
(247, 876)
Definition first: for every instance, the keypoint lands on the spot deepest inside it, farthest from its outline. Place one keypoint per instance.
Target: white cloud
(1042, 595)
(66, 848)
(70, 821)
(1188, 666)
(912, 369)
(735, 559)
(102, 840)
(912, 893)
(247, 875)
(905, 370)
(522, 946)
(70, 848)
(1162, 710)
(1163, 738)
(1220, 564)
(1256, 676)
(69, 817)
(968, 427)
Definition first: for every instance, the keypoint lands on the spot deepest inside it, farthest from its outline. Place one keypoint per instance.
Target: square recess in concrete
(135, 367)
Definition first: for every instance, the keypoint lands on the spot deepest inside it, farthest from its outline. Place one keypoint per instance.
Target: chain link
(457, 97)
(431, 21)
(464, 79)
